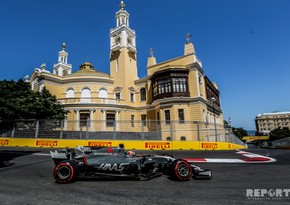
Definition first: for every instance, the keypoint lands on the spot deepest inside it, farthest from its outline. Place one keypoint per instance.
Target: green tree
(240, 132)
(47, 107)
(18, 101)
(279, 133)
(226, 124)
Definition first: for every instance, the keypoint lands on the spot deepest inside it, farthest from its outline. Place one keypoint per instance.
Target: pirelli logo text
(157, 145)
(4, 142)
(209, 145)
(100, 144)
(46, 143)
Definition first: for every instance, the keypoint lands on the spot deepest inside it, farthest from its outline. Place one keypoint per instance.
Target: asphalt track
(26, 178)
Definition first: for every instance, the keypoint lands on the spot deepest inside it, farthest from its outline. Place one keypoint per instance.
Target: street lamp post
(229, 129)
(213, 99)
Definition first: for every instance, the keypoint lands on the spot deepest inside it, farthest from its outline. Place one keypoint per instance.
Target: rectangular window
(118, 96)
(167, 116)
(110, 119)
(143, 94)
(179, 84)
(181, 116)
(84, 117)
(164, 86)
(132, 97)
(158, 118)
(132, 120)
(143, 120)
(155, 92)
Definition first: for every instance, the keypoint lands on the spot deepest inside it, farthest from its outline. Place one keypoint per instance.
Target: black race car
(86, 162)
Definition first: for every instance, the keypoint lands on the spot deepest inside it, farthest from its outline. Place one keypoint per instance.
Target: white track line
(248, 157)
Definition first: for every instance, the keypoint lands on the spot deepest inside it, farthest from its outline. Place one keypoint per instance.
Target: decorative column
(197, 81)
(116, 120)
(92, 119)
(104, 119)
(65, 124)
(77, 120)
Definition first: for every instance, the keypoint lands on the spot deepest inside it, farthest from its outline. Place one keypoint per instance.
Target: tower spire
(122, 35)
(188, 38)
(62, 67)
(122, 5)
(188, 47)
(63, 46)
(151, 59)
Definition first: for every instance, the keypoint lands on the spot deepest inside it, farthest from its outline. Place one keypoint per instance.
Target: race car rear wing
(59, 155)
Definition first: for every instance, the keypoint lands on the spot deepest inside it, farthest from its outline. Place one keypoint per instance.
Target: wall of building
(123, 78)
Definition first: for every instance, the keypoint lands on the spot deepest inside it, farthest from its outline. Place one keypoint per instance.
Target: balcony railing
(95, 100)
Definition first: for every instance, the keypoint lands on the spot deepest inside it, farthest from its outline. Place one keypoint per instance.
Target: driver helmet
(130, 154)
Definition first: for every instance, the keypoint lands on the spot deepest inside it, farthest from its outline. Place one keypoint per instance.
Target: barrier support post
(37, 129)
(13, 132)
(114, 133)
(61, 129)
(171, 130)
(87, 128)
(198, 131)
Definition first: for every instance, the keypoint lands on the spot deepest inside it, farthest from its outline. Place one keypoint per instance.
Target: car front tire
(181, 170)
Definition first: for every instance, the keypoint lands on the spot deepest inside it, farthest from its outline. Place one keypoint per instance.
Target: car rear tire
(65, 172)
(181, 170)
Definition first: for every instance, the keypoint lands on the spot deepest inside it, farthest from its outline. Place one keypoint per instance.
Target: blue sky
(244, 44)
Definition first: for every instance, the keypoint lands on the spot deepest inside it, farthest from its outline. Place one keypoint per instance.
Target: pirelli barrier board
(129, 144)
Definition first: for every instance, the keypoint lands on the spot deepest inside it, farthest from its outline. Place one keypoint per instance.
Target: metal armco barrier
(282, 143)
(117, 130)
(129, 144)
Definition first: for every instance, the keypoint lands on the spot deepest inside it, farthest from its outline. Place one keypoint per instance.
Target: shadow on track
(7, 155)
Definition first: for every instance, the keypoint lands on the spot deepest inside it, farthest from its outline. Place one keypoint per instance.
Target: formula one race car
(86, 162)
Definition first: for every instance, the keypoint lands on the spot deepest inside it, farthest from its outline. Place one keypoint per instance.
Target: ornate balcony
(91, 100)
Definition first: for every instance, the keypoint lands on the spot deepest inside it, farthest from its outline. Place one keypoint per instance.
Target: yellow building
(175, 98)
(267, 122)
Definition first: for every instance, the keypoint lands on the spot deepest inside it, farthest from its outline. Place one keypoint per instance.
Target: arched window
(103, 93)
(142, 94)
(86, 95)
(168, 138)
(70, 93)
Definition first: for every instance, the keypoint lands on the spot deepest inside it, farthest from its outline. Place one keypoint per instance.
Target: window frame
(132, 120)
(143, 120)
(167, 117)
(118, 95)
(170, 83)
(132, 97)
(110, 122)
(143, 94)
(181, 119)
(84, 117)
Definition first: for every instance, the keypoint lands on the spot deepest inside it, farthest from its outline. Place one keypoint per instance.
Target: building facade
(267, 122)
(176, 90)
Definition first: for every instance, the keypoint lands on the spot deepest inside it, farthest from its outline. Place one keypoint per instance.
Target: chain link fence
(119, 130)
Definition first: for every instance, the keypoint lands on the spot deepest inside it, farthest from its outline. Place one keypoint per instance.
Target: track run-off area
(26, 178)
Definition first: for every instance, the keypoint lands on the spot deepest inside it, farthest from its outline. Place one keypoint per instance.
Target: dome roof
(86, 66)
(87, 69)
